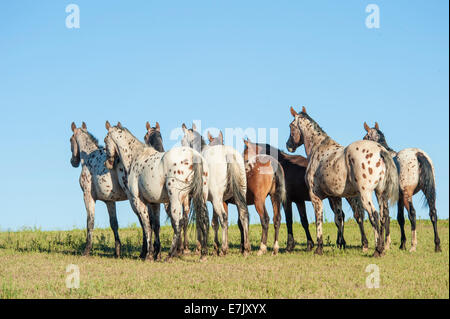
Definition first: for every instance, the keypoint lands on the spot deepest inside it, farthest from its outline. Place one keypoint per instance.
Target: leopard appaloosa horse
(416, 173)
(153, 138)
(335, 171)
(96, 181)
(294, 167)
(152, 178)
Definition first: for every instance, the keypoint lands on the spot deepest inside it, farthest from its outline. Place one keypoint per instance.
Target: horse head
(153, 137)
(215, 140)
(295, 137)
(192, 138)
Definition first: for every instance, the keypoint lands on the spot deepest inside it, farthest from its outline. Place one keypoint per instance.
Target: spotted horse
(153, 138)
(335, 171)
(96, 181)
(294, 167)
(416, 173)
(152, 178)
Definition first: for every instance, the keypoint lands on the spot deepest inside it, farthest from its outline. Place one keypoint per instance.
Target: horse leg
(155, 224)
(318, 210)
(366, 199)
(412, 218)
(176, 217)
(89, 202)
(244, 219)
(215, 226)
(224, 222)
(358, 214)
(336, 206)
(401, 221)
(387, 244)
(186, 210)
(290, 238)
(111, 206)
(264, 217)
(276, 205)
(304, 220)
(142, 211)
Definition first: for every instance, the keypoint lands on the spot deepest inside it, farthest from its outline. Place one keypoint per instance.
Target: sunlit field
(33, 265)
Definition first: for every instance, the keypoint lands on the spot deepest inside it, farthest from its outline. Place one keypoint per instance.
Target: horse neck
(313, 136)
(129, 148)
(86, 146)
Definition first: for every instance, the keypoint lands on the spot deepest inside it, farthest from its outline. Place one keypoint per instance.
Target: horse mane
(91, 137)
(314, 123)
(132, 135)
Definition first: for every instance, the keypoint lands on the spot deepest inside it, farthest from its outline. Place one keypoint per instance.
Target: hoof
(86, 253)
(186, 251)
(365, 249)
(261, 252)
(309, 245)
(318, 251)
(437, 249)
(402, 246)
(275, 252)
(412, 249)
(203, 258)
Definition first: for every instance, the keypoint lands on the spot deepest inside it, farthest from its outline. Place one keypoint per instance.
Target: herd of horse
(185, 178)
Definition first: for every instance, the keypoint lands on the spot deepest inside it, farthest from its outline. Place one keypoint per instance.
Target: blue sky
(227, 63)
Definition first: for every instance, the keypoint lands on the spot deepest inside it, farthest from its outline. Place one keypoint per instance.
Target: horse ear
(194, 127)
(303, 109)
(376, 126)
(210, 138)
(221, 136)
(147, 126)
(157, 126)
(245, 142)
(73, 126)
(294, 114)
(107, 125)
(184, 127)
(84, 126)
(119, 125)
(366, 127)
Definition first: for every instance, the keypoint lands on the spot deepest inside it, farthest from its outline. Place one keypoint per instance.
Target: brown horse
(297, 192)
(264, 177)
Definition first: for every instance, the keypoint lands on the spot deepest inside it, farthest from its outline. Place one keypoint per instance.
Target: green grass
(33, 265)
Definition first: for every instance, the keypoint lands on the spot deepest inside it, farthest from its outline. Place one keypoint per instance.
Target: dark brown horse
(294, 167)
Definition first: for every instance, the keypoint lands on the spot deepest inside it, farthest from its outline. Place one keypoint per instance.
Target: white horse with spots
(416, 173)
(335, 171)
(152, 178)
(96, 181)
(227, 181)
(154, 139)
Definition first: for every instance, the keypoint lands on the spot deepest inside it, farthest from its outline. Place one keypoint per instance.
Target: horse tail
(391, 186)
(198, 193)
(280, 185)
(238, 184)
(427, 178)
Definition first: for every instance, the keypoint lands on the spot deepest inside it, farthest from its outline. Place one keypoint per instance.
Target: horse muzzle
(75, 162)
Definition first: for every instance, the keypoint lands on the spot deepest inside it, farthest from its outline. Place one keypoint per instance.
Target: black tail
(426, 179)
